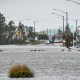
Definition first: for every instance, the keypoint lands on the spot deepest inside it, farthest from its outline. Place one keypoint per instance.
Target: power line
(74, 2)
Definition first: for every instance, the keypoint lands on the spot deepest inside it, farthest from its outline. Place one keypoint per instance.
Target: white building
(78, 35)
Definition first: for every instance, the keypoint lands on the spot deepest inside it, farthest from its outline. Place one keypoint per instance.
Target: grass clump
(20, 71)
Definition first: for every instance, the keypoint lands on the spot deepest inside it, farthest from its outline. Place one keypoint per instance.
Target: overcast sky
(19, 10)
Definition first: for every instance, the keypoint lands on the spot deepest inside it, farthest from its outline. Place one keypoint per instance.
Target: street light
(63, 22)
(75, 21)
(35, 23)
(65, 13)
(78, 3)
(74, 2)
(35, 26)
(23, 20)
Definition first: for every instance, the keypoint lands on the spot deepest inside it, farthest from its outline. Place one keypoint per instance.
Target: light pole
(63, 22)
(66, 35)
(35, 26)
(74, 2)
(66, 15)
(34, 30)
(78, 3)
(76, 21)
(23, 20)
(76, 27)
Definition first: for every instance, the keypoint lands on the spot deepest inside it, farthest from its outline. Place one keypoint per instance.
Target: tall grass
(20, 71)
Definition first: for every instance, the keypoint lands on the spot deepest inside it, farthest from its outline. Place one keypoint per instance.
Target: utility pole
(76, 28)
(78, 3)
(66, 18)
(63, 27)
(34, 30)
(76, 23)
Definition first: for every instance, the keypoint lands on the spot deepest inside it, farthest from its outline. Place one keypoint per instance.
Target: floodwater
(47, 61)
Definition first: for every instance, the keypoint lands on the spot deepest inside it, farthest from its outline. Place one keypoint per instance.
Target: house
(78, 36)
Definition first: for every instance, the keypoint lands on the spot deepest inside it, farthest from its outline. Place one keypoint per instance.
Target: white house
(78, 35)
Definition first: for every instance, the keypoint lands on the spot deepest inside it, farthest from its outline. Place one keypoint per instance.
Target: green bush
(20, 71)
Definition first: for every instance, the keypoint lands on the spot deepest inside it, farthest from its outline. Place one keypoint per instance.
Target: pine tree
(2, 22)
(68, 36)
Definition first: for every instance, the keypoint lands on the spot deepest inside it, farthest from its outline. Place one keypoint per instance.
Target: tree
(68, 36)
(67, 30)
(59, 31)
(11, 30)
(43, 36)
(31, 32)
(75, 36)
(20, 33)
(2, 22)
(60, 34)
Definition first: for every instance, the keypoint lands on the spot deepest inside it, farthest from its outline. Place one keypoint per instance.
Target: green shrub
(35, 42)
(20, 71)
